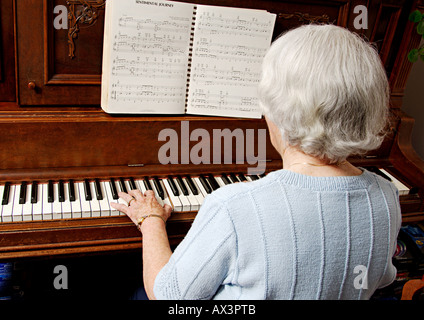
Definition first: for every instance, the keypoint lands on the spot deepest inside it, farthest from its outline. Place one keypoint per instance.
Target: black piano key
(380, 173)
(182, 185)
(212, 182)
(122, 185)
(87, 190)
(113, 189)
(98, 189)
(133, 186)
(224, 178)
(159, 188)
(6, 194)
(192, 186)
(263, 175)
(147, 184)
(233, 178)
(34, 192)
(253, 177)
(413, 190)
(61, 191)
(22, 193)
(50, 193)
(173, 186)
(71, 190)
(205, 184)
(242, 177)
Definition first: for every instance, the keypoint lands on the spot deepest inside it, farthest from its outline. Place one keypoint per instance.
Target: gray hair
(326, 89)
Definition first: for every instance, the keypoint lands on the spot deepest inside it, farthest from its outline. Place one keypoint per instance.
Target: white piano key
(122, 201)
(175, 200)
(186, 205)
(66, 205)
(17, 207)
(403, 190)
(194, 203)
(166, 199)
(27, 206)
(158, 198)
(7, 210)
(140, 185)
(104, 203)
(127, 185)
(200, 187)
(85, 204)
(76, 205)
(199, 197)
(37, 208)
(95, 205)
(47, 206)
(219, 181)
(110, 199)
(57, 205)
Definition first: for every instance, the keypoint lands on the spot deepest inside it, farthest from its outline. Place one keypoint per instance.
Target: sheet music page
(146, 70)
(228, 48)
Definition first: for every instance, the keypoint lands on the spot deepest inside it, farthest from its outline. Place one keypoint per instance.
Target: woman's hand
(140, 205)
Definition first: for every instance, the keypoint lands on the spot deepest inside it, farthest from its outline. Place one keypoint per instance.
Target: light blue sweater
(288, 236)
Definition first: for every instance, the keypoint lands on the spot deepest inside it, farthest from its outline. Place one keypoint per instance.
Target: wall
(413, 104)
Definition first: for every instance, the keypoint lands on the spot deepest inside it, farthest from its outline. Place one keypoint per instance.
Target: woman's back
(288, 236)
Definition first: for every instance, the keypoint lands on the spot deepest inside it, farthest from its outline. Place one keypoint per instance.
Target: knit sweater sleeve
(204, 260)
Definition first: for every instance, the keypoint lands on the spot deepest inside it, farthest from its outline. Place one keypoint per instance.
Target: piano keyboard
(33, 201)
(91, 198)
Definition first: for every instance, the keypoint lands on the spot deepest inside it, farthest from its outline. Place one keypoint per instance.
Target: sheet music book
(166, 57)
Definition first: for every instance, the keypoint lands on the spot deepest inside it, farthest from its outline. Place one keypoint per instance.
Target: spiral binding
(190, 54)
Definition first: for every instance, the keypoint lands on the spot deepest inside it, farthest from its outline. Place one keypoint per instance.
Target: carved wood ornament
(81, 12)
(304, 17)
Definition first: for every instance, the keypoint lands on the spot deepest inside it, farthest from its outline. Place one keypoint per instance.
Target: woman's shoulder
(241, 189)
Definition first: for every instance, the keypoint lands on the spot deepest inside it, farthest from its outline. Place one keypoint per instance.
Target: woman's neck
(297, 161)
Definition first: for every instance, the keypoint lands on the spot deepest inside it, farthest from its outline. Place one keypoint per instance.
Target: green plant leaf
(420, 27)
(422, 57)
(413, 55)
(416, 16)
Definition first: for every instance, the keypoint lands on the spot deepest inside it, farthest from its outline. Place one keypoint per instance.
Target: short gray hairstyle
(327, 91)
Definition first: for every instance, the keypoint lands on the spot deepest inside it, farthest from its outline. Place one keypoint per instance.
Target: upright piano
(63, 159)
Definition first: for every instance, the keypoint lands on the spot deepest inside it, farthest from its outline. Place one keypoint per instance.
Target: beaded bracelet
(140, 221)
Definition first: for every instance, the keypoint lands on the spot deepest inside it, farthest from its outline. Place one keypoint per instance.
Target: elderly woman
(320, 228)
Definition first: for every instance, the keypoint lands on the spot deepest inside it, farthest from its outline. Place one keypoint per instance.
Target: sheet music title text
(153, 3)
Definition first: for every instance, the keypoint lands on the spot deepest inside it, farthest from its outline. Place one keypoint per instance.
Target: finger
(125, 196)
(136, 194)
(168, 210)
(120, 207)
(149, 194)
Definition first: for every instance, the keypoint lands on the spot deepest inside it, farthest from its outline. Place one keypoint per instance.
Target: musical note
(228, 49)
(150, 58)
(207, 57)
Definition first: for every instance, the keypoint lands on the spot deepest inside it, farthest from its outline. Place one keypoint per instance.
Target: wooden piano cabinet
(409, 165)
(7, 52)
